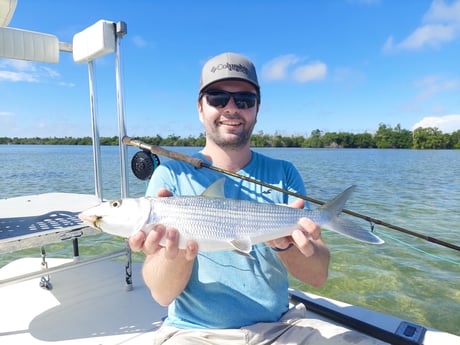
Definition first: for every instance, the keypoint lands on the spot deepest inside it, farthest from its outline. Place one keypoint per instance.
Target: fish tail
(350, 229)
(344, 226)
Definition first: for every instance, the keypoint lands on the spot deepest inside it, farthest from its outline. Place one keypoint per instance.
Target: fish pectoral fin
(242, 246)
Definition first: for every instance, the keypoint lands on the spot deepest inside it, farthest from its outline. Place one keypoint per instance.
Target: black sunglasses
(220, 98)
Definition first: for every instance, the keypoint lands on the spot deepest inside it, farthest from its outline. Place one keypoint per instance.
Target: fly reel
(143, 164)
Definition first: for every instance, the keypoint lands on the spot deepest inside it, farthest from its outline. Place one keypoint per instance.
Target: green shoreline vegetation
(385, 137)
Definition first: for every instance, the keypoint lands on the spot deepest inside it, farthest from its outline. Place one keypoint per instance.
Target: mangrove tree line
(385, 137)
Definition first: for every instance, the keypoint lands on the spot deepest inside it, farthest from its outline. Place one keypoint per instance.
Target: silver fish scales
(217, 223)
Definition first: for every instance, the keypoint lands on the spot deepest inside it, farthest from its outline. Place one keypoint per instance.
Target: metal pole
(95, 134)
(120, 31)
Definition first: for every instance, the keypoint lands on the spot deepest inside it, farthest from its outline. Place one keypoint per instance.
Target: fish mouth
(92, 221)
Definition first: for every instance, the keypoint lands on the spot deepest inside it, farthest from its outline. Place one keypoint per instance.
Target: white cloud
(440, 12)
(440, 25)
(66, 84)
(139, 41)
(388, 46)
(18, 65)
(25, 71)
(287, 67)
(447, 124)
(313, 71)
(433, 35)
(276, 69)
(429, 88)
(18, 76)
(50, 72)
(17, 71)
(433, 85)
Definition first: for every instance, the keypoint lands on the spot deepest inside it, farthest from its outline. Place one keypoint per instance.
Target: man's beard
(238, 140)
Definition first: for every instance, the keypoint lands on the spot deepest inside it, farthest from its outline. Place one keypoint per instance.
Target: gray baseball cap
(228, 66)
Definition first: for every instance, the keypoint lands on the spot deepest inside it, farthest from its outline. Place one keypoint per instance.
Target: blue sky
(339, 65)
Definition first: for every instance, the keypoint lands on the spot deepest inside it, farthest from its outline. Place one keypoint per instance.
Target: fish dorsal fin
(216, 189)
(242, 246)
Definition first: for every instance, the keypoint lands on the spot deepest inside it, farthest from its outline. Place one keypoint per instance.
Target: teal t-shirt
(226, 289)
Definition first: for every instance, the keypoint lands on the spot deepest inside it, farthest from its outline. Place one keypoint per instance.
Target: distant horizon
(256, 132)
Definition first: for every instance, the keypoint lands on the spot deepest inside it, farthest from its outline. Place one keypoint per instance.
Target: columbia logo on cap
(230, 67)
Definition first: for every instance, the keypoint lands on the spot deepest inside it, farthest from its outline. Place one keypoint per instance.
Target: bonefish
(218, 223)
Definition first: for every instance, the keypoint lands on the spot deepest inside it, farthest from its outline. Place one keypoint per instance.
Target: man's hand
(302, 236)
(148, 240)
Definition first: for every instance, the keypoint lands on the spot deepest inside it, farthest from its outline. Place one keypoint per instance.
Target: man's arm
(166, 270)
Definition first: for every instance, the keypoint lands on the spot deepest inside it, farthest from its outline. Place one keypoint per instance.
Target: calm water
(418, 190)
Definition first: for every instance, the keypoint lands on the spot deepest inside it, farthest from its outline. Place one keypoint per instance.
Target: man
(225, 297)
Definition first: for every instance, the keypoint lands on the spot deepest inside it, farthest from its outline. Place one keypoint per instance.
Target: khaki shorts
(293, 328)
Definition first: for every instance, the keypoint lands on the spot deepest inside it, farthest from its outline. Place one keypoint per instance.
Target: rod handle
(196, 162)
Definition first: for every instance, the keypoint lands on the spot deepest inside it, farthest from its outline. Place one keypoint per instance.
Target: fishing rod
(198, 163)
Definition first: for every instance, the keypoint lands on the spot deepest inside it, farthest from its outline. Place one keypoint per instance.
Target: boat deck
(89, 304)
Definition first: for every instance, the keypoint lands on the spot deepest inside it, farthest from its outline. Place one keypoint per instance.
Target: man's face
(228, 126)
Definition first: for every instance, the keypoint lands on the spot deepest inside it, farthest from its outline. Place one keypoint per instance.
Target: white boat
(94, 301)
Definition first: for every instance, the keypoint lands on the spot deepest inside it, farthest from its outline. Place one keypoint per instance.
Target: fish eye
(115, 203)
